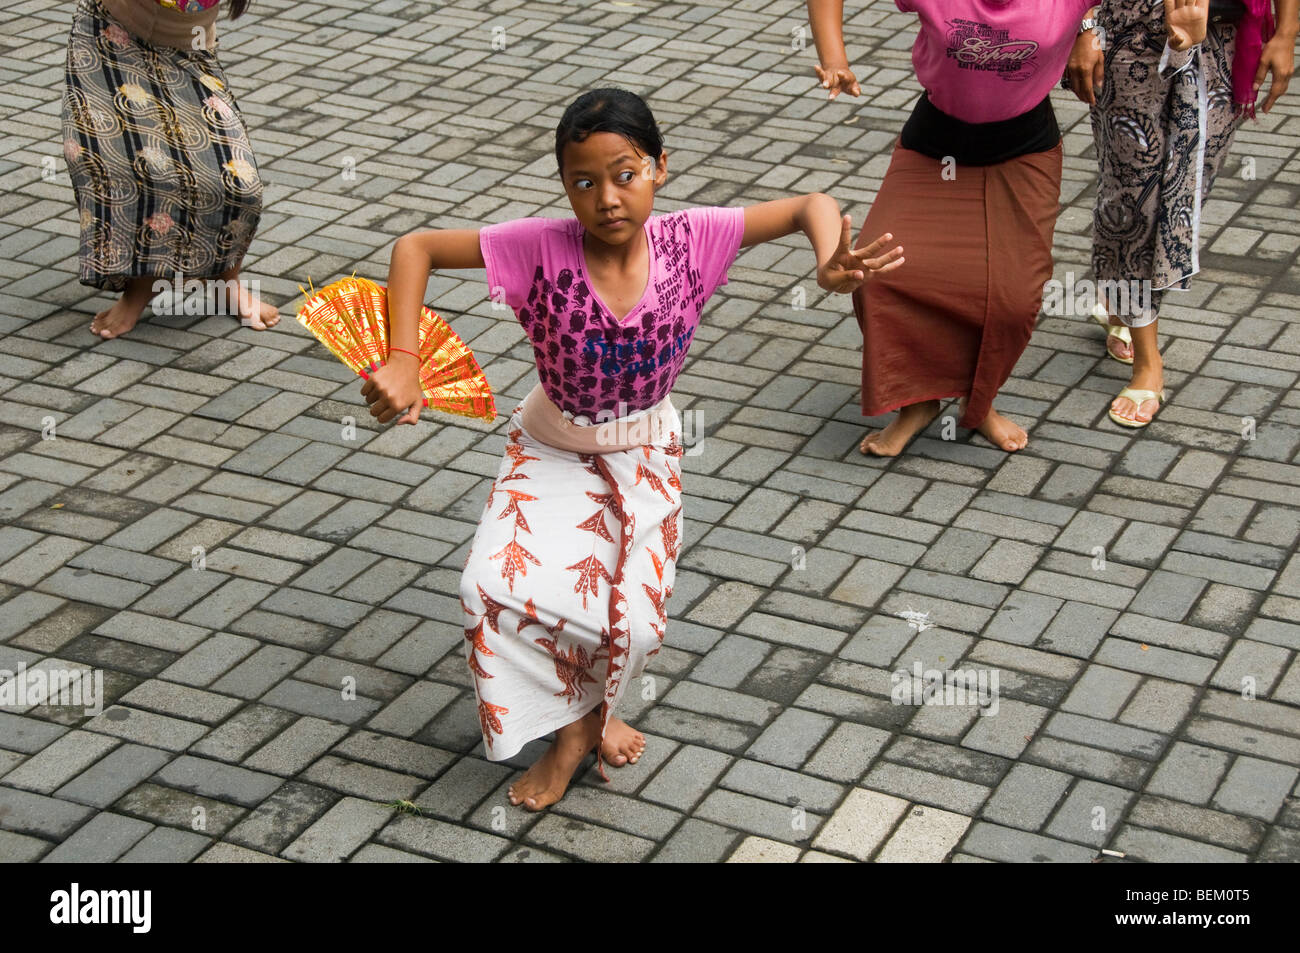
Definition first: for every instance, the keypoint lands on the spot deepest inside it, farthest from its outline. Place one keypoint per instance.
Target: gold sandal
(1120, 331)
(1139, 397)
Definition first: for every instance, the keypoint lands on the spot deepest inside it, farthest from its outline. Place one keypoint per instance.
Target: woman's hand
(394, 388)
(1186, 22)
(1278, 58)
(838, 78)
(848, 268)
(1086, 66)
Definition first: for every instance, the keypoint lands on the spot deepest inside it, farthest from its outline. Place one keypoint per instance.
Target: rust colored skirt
(953, 320)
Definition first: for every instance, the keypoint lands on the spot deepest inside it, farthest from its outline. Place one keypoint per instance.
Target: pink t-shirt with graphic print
(587, 360)
(989, 60)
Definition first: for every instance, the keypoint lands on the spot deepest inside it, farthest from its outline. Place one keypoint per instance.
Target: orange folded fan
(350, 317)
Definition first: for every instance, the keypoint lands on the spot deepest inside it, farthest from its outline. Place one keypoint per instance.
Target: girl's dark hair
(237, 8)
(609, 110)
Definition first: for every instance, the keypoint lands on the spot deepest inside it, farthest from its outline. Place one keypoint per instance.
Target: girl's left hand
(848, 268)
(1279, 59)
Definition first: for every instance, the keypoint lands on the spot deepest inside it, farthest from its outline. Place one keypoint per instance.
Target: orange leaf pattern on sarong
(668, 530)
(488, 720)
(516, 497)
(656, 484)
(514, 555)
(590, 571)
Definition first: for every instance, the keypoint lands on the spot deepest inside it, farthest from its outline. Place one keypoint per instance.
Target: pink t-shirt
(989, 60)
(587, 360)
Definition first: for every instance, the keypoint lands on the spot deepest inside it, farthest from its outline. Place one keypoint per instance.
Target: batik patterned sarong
(159, 157)
(567, 580)
(1161, 139)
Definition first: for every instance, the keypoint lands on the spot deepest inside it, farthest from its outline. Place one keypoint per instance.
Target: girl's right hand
(393, 388)
(838, 78)
(1186, 22)
(1086, 66)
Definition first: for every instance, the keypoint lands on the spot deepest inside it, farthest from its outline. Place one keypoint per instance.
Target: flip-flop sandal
(1120, 331)
(1139, 397)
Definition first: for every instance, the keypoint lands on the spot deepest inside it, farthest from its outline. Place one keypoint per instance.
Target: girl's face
(611, 185)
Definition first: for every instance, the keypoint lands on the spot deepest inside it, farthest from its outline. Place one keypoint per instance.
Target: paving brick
(696, 841)
(331, 554)
(113, 775)
(26, 813)
(223, 782)
(1006, 732)
(1189, 773)
(1084, 761)
(927, 835)
(1090, 814)
(1255, 788)
(282, 817)
(686, 777)
(1012, 846)
(789, 824)
(778, 784)
(166, 845)
(1101, 692)
(1026, 796)
(101, 840)
(21, 849)
(1104, 734)
(791, 738)
(339, 832)
(1159, 705)
(58, 762)
(1158, 847)
(147, 728)
(1251, 666)
(952, 794)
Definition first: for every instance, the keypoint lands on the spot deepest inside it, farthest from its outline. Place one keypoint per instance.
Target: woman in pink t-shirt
(567, 579)
(973, 190)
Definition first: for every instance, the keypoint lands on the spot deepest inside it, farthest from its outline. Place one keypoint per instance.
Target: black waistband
(932, 132)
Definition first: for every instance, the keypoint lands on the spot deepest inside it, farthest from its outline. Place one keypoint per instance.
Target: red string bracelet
(404, 351)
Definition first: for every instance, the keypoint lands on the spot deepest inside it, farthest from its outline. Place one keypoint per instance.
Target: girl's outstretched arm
(827, 20)
(840, 268)
(394, 389)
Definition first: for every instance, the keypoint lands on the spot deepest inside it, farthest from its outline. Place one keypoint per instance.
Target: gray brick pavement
(201, 531)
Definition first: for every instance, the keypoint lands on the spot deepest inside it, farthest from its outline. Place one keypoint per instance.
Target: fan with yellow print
(350, 317)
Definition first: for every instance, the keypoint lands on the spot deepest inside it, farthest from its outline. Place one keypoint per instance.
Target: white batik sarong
(565, 585)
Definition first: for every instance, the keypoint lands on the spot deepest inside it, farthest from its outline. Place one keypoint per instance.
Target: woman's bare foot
(623, 744)
(911, 420)
(254, 312)
(1003, 433)
(126, 311)
(546, 781)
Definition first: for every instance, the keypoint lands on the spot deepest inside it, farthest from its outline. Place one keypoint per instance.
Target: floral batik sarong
(567, 579)
(1163, 123)
(158, 154)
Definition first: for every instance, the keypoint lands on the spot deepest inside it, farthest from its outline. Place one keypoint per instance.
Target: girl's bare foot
(126, 311)
(1002, 433)
(623, 744)
(254, 312)
(911, 420)
(546, 781)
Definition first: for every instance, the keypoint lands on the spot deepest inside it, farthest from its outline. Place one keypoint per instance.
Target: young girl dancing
(568, 577)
